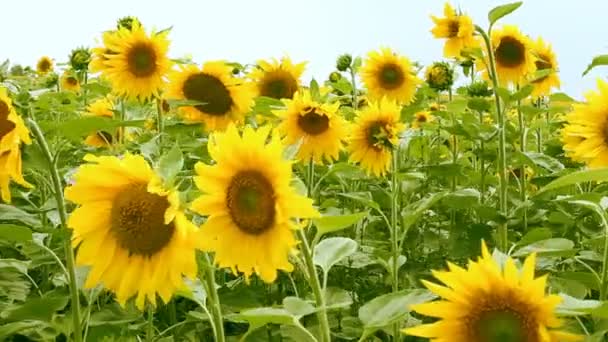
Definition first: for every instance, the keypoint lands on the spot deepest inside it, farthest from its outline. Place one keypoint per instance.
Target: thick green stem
(604, 278)
(84, 88)
(123, 115)
(313, 277)
(395, 232)
(216, 308)
(353, 81)
(160, 125)
(150, 325)
(482, 166)
(63, 217)
(522, 172)
(503, 242)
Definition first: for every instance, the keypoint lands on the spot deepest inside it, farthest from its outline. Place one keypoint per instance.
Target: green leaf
(597, 61)
(10, 213)
(19, 265)
(15, 233)
(597, 175)
(331, 223)
(331, 251)
(171, 164)
(501, 11)
(195, 291)
(364, 198)
(523, 92)
(297, 306)
(41, 309)
(561, 97)
(571, 306)
(315, 92)
(337, 298)
(549, 247)
(535, 235)
(6, 330)
(415, 210)
(75, 129)
(113, 314)
(390, 308)
(462, 198)
(259, 317)
(541, 160)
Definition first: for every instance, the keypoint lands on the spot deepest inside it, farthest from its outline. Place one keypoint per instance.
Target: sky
(316, 31)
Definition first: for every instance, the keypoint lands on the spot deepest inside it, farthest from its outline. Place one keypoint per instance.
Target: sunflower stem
(482, 166)
(63, 217)
(353, 80)
(522, 171)
(216, 308)
(160, 125)
(502, 239)
(150, 325)
(123, 115)
(395, 231)
(313, 277)
(84, 88)
(604, 278)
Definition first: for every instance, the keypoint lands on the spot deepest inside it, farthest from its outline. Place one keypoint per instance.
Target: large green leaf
(11, 213)
(41, 309)
(549, 247)
(590, 175)
(171, 164)
(331, 223)
(333, 250)
(390, 308)
(15, 233)
(501, 11)
(596, 61)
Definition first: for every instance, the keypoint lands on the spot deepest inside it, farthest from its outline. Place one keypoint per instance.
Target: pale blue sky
(313, 30)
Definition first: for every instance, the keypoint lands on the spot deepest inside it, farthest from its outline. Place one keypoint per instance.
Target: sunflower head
(134, 62)
(69, 82)
(489, 302)
(44, 65)
(375, 134)
(127, 22)
(386, 74)
(440, 76)
(545, 61)
(277, 79)
(513, 55)
(479, 89)
(335, 76)
(344, 62)
(317, 125)
(250, 202)
(80, 58)
(421, 118)
(13, 132)
(457, 29)
(223, 98)
(130, 230)
(104, 108)
(585, 135)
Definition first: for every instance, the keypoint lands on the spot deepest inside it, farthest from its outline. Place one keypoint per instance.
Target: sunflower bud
(51, 80)
(80, 58)
(335, 76)
(440, 76)
(344, 62)
(126, 22)
(479, 89)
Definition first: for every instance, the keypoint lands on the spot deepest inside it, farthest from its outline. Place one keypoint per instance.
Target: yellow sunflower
(224, 98)
(98, 56)
(277, 79)
(250, 202)
(489, 302)
(375, 135)
(103, 108)
(136, 63)
(69, 82)
(12, 133)
(44, 65)
(546, 60)
(513, 55)
(320, 128)
(422, 117)
(130, 230)
(585, 135)
(386, 74)
(457, 29)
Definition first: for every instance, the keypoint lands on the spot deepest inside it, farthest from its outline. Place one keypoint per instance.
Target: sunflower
(375, 135)
(422, 117)
(439, 76)
(224, 98)
(99, 54)
(386, 74)
(250, 202)
(585, 135)
(513, 55)
(277, 79)
(487, 302)
(319, 127)
(69, 82)
(101, 108)
(136, 63)
(44, 65)
(457, 29)
(130, 230)
(12, 133)
(546, 60)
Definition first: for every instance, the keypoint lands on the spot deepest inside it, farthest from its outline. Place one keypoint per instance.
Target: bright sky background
(312, 30)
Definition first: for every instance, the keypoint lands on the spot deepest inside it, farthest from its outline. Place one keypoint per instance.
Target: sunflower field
(152, 198)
